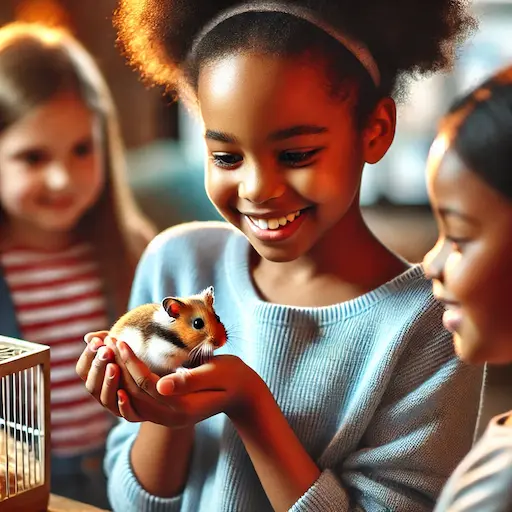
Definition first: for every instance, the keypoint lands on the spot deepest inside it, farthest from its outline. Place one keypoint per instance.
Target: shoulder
(185, 258)
(411, 318)
(484, 478)
(207, 235)
(409, 303)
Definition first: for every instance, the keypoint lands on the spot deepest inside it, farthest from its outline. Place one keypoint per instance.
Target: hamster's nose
(220, 340)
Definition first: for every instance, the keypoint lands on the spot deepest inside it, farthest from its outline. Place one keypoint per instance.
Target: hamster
(176, 332)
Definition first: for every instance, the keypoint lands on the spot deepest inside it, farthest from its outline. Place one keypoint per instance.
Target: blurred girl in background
(70, 232)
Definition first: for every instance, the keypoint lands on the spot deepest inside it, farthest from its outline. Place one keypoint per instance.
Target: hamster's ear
(208, 296)
(172, 306)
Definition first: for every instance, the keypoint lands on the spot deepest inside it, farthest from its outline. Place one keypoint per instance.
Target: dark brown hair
(36, 64)
(481, 126)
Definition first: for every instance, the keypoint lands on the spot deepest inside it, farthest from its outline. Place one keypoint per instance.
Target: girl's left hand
(223, 385)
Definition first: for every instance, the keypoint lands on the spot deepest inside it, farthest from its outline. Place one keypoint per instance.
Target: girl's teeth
(275, 223)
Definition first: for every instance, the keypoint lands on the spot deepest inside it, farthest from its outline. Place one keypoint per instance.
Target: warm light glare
(438, 150)
(48, 12)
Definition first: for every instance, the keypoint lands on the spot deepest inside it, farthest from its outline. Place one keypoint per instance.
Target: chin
(275, 252)
(478, 351)
(468, 349)
(284, 251)
(60, 225)
(275, 256)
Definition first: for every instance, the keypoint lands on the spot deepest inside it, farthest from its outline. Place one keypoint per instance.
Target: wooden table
(60, 504)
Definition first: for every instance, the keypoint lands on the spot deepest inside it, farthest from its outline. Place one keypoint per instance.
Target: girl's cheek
(453, 268)
(15, 190)
(320, 186)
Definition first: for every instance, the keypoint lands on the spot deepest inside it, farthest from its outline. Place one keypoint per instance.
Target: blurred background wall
(165, 149)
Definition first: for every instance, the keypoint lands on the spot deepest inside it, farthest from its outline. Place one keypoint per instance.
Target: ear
(208, 296)
(379, 131)
(172, 306)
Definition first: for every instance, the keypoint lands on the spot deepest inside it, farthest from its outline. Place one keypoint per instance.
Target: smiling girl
(470, 185)
(338, 385)
(63, 195)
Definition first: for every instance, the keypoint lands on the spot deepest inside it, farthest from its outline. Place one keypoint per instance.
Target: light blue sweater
(371, 387)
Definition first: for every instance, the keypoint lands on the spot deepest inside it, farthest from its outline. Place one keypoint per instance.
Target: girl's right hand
(98, 368)
(108, 379)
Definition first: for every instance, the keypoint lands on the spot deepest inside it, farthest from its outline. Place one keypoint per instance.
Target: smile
(278, 228)
(274, 223)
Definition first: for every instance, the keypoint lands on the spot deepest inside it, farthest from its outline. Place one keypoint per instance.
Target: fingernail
(120, 398)
(110, 372)
(165, 386)
(102, 354)
(122, 349)
(95, 344)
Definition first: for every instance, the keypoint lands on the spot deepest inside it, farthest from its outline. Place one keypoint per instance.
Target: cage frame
(37, 498)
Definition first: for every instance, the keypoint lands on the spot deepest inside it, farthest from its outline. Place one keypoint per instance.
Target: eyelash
(457, 243)
(304, 161)
(34, 158)
(83, 149)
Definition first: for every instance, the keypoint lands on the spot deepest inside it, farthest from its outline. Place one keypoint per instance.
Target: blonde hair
(37, 63)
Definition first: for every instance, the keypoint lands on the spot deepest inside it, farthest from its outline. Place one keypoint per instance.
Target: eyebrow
(452, 212)
(286, 133)
(24, 151)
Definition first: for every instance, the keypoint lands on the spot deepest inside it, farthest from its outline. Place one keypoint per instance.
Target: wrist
(254, 400)
(163, 431)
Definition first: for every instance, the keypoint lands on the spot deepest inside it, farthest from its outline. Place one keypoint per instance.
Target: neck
(349, 252)
(20, 234)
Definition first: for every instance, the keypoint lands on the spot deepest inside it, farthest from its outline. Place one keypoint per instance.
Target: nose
(57, 177)
(260, 185)
(435, 260)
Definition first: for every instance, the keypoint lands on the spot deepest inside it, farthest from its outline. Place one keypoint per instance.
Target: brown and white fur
(175, 332)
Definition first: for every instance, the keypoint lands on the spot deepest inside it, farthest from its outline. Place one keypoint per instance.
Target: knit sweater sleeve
(124, 490)
(415, 439)
(483, 481)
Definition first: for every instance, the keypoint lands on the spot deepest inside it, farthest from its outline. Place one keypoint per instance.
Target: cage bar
(24, 425)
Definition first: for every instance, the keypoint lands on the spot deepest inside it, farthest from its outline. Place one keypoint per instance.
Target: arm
(144, 480)
(284, 468)
(417, 437)
(138, 454)
(153, 448)
(483, 481)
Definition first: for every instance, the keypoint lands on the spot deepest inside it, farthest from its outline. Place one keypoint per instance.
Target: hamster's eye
(198, 323)
(217, 317)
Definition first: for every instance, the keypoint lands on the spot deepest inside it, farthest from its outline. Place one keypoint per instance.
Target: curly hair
(406, 38)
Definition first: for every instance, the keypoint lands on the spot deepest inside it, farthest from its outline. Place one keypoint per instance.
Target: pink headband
(358, 49)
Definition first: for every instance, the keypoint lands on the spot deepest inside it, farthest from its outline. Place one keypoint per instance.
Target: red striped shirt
(58, 297)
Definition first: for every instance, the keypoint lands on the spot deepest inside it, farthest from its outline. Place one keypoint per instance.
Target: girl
(339, 390)
(470, 186)
(63, 194)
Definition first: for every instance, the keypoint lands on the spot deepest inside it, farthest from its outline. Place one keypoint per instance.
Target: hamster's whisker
(236, 337)
(200, 354)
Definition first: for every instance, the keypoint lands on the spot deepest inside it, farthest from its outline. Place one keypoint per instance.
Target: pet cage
(24, 426)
